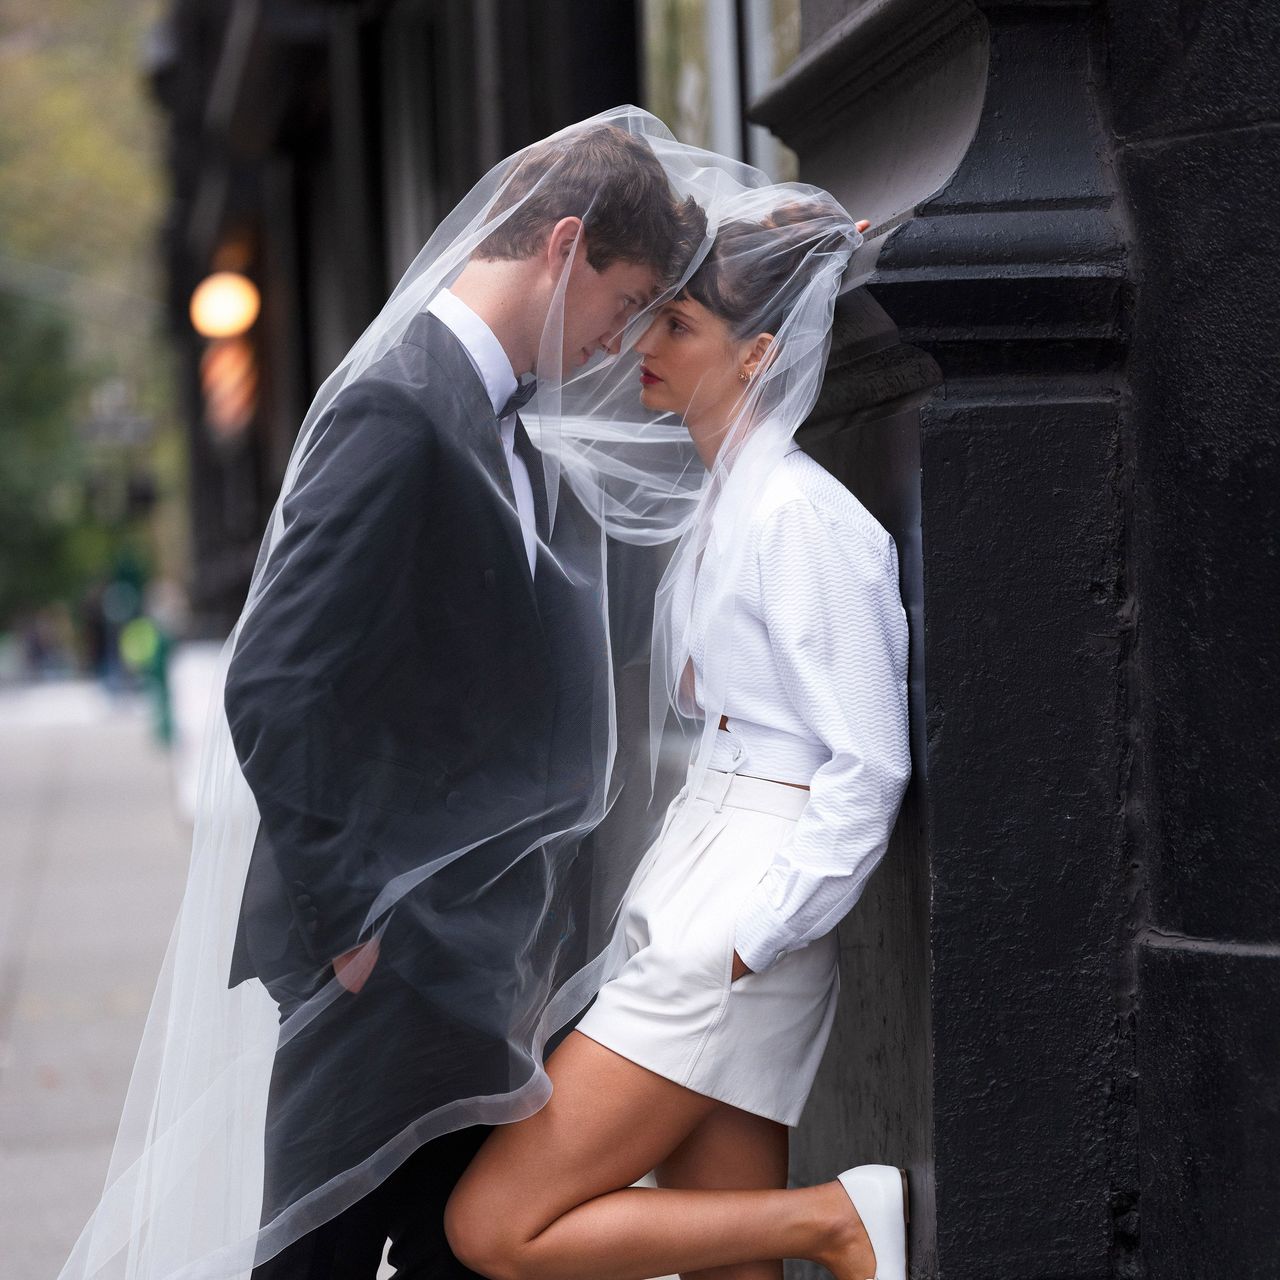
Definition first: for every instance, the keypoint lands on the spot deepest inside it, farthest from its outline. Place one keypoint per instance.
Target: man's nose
(612, 344)
(643, 345)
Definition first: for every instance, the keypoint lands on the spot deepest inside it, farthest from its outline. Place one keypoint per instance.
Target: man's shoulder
(412, 381)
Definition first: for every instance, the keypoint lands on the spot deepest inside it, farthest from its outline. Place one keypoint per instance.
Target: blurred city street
(93, 854)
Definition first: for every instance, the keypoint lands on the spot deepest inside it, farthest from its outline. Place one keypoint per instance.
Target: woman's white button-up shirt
(816, 693)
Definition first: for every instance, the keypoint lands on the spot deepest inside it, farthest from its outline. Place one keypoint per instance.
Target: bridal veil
(490, 870)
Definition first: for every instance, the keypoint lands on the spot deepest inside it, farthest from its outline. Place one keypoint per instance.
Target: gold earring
(743, 376)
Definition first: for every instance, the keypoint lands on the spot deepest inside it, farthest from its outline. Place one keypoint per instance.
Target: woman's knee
(476, 1240)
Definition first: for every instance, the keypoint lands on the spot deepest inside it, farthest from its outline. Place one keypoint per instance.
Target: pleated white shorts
(755, 1043)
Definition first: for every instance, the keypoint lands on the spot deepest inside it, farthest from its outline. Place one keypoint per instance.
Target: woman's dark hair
(612, 181)
(752, 274)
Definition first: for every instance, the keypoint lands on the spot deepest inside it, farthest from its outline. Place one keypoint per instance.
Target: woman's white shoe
(879, 1194)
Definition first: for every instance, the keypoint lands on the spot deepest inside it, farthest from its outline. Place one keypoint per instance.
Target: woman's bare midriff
(724, 724)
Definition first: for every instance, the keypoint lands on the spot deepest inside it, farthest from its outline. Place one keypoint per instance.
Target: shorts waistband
(737, 791)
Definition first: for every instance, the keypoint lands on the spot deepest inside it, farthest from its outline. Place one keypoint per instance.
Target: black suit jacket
(404, 689)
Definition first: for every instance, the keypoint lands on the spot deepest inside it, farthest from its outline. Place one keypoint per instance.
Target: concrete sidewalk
(93, 856)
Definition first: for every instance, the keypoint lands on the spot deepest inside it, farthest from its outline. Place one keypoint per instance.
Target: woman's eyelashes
(674, 326)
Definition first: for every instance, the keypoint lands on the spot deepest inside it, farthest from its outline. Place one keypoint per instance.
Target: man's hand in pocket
(353, 967)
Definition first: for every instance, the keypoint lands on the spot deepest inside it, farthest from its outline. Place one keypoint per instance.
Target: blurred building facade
(1061, 989)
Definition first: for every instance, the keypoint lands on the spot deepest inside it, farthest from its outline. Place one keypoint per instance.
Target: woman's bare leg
(550, 1197)
(731, 1149)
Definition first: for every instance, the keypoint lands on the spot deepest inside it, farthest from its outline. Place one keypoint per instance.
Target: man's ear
(564, 235)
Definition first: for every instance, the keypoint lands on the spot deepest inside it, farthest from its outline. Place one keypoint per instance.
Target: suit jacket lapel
(481, 428)
(477, 408)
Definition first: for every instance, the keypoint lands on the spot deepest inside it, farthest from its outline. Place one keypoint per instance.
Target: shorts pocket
(726, 976)
(761, 856)
(730, 944)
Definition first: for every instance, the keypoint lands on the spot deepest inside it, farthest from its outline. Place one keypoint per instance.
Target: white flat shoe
(879, 1193)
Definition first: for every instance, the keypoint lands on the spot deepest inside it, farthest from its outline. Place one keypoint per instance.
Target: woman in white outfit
(779, 624)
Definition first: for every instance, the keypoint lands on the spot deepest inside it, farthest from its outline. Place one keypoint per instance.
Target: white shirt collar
(486, 352)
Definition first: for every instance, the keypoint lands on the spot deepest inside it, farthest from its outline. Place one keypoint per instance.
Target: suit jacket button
(453, 801)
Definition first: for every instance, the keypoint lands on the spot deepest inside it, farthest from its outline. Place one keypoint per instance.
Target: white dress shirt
(491, 363)
(816, 693)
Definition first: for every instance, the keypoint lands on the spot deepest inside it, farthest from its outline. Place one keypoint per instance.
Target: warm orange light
(224, 305)
(229, 380)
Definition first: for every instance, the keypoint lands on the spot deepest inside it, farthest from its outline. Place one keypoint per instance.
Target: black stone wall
(1193, 96)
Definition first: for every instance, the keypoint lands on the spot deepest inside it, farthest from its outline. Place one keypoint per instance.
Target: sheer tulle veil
(512, 857)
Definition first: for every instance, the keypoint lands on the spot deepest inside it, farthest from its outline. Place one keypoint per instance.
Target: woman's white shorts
(755, 1043)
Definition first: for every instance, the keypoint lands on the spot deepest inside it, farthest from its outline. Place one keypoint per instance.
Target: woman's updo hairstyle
(755, 271)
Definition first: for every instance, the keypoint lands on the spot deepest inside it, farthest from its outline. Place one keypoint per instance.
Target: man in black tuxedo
(423, 674)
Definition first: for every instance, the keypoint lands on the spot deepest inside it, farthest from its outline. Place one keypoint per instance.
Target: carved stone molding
(878, 43)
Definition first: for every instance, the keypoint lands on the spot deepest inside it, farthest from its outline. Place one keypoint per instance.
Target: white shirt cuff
(760, 934)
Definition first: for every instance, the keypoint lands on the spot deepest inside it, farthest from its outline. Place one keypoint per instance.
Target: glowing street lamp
(224, 305)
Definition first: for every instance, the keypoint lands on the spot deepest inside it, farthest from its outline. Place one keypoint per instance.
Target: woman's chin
(651, 396)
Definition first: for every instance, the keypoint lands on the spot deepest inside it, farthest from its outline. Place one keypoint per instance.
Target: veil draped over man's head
(417, 743)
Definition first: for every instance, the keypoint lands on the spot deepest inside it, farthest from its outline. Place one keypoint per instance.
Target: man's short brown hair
(610, 179)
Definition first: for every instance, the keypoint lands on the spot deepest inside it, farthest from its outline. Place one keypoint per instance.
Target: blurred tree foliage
(79, 149)
(50, 539)
(81, 198)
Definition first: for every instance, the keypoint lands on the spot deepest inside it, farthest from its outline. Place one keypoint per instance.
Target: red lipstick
(648, 378)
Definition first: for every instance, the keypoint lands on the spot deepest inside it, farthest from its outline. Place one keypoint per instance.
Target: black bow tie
(519, 397)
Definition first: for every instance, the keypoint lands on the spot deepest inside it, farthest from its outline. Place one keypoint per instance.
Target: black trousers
(407, 1208)
(349, 1081)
